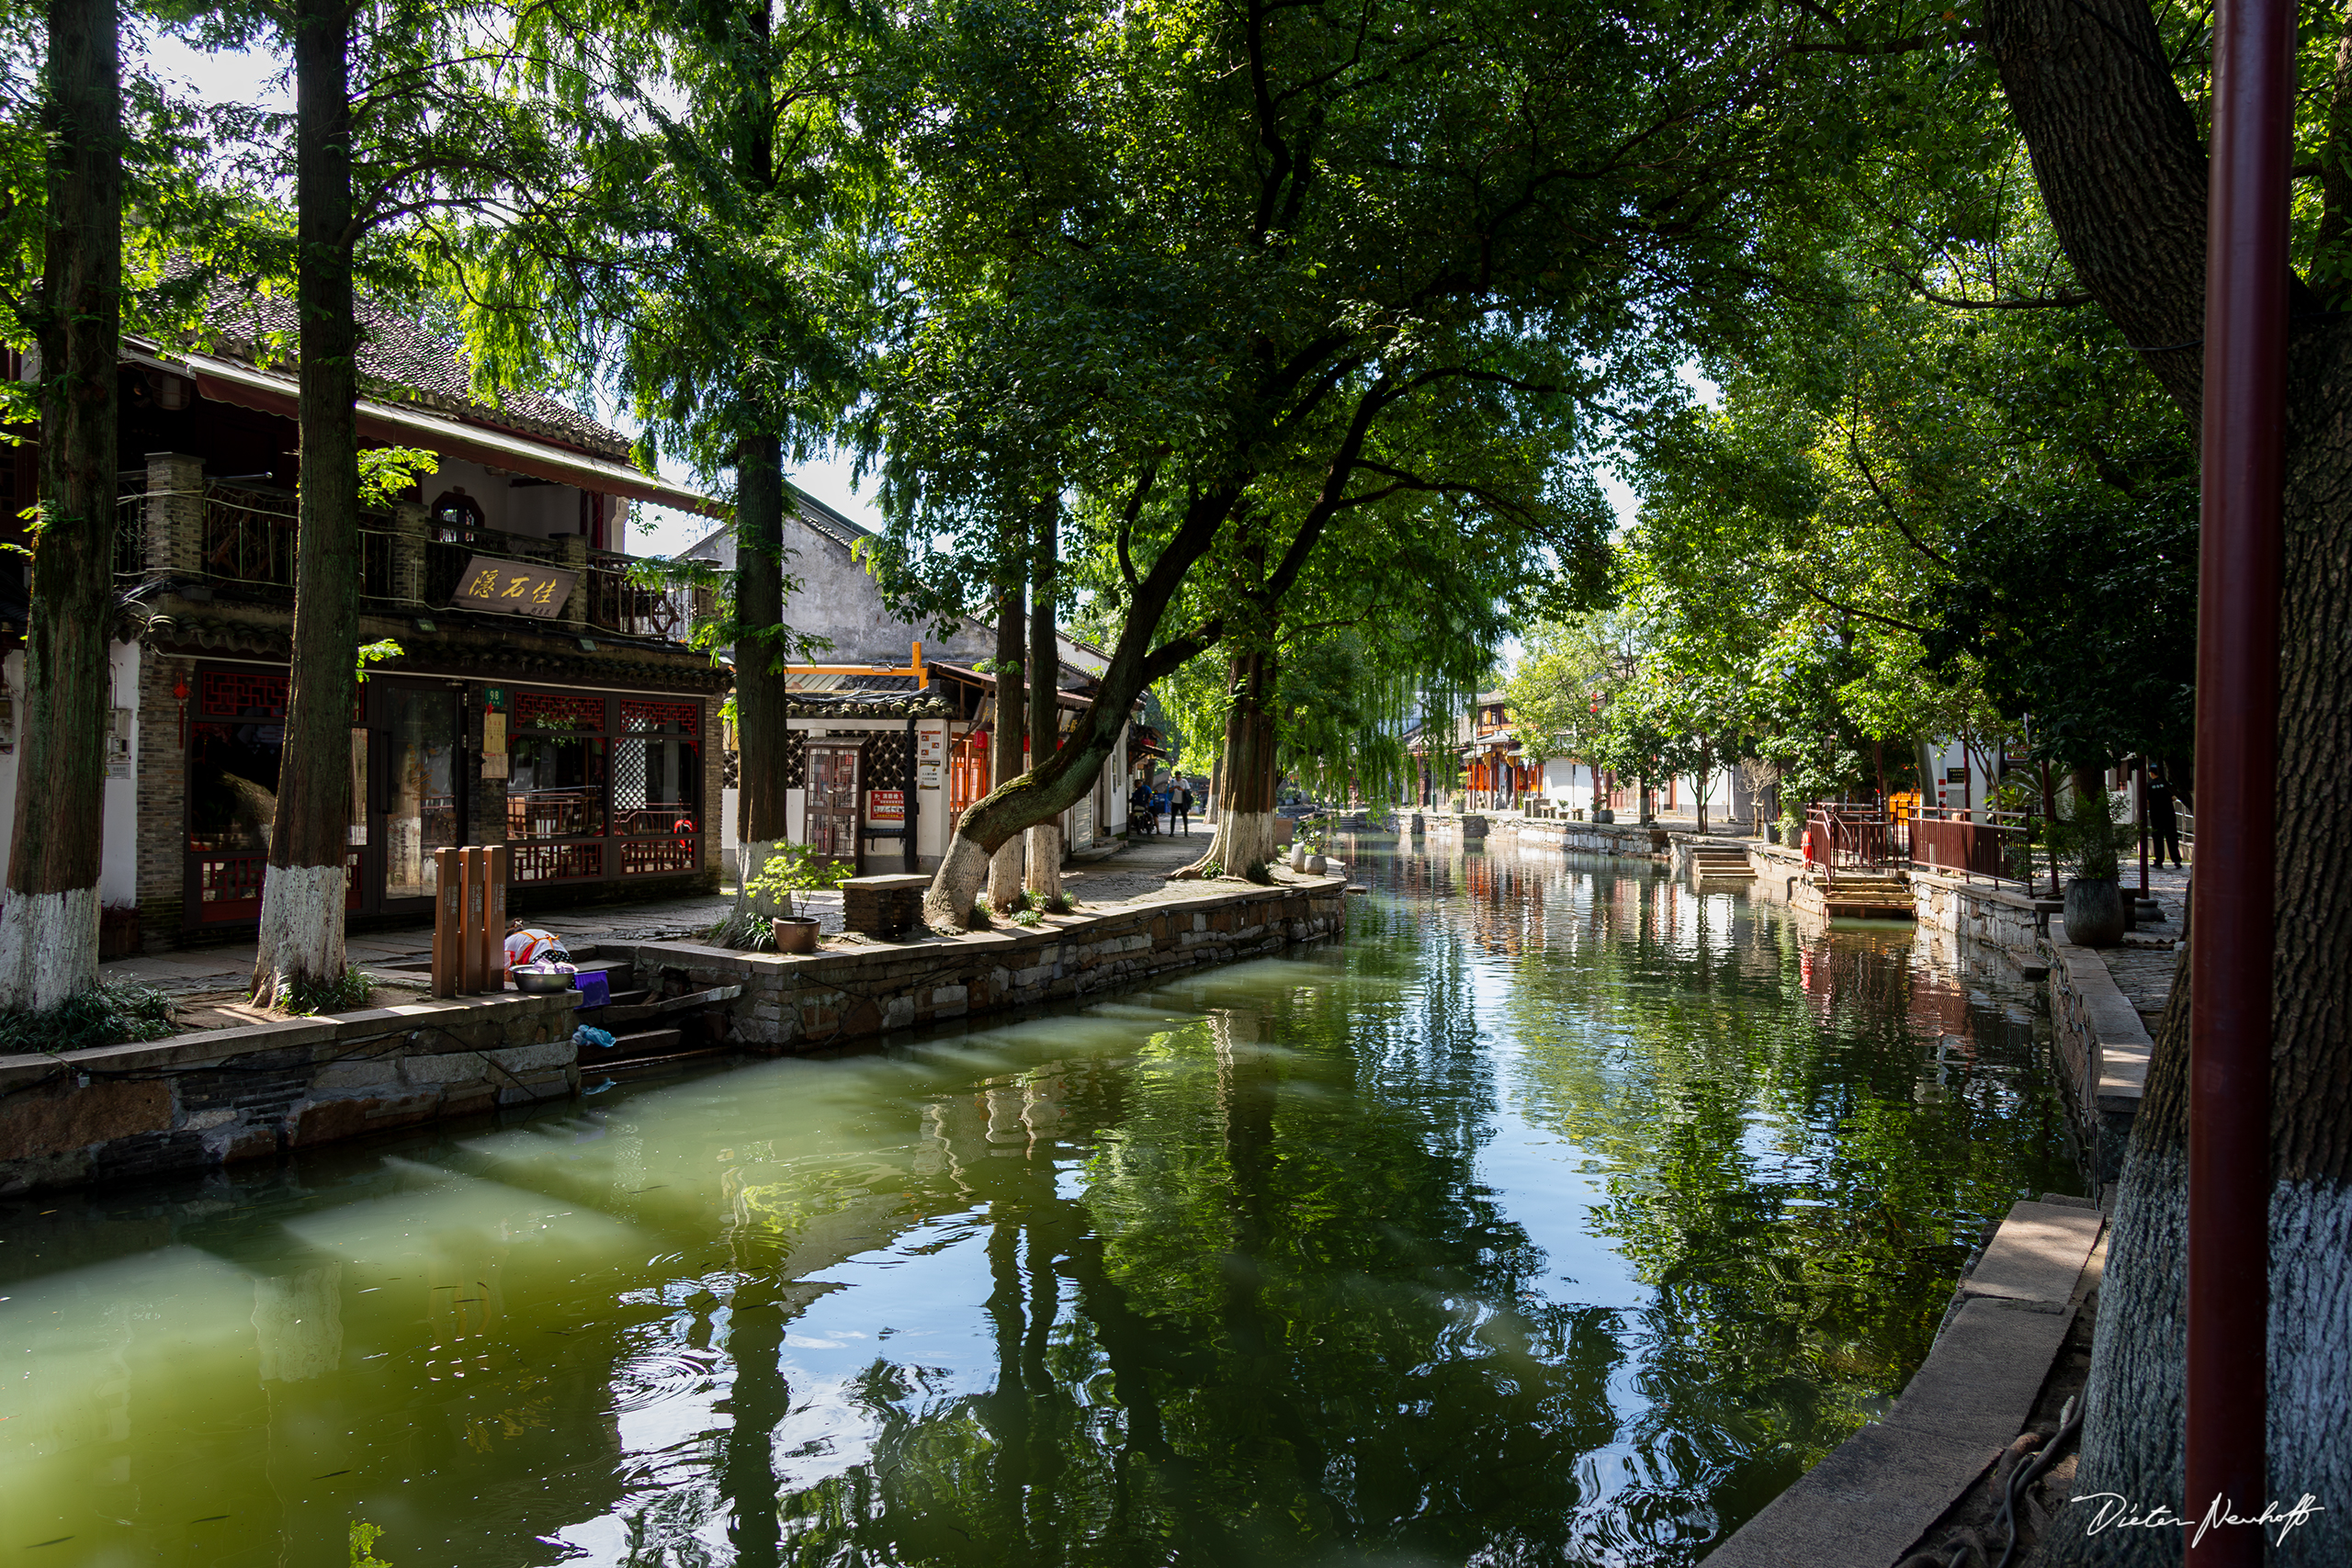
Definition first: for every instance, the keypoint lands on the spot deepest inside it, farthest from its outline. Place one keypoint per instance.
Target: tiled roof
(398, 356)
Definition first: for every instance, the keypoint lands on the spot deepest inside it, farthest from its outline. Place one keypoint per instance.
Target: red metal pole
(2237, 705)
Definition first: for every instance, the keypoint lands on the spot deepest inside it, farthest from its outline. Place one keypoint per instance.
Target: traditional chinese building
(891, 736)
(539, 698)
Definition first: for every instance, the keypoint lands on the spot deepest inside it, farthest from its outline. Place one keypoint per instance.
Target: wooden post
(469, 978)
(494, 929)
(448, 921)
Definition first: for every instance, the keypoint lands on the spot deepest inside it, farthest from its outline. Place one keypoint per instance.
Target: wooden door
(832, 808)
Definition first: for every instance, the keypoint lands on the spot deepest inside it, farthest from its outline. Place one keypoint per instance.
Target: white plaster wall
(118, 814)
(119, 860)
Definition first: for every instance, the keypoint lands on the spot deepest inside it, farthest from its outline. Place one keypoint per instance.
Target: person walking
(2164, 818)
(1180, 808)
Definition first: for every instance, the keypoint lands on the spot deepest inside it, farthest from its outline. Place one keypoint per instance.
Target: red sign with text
(885, 805)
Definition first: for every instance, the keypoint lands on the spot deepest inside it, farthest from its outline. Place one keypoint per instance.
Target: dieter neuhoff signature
(2114, 1510)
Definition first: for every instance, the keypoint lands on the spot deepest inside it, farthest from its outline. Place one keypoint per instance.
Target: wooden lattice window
(636, 718)
(241, 694)
(551, 710)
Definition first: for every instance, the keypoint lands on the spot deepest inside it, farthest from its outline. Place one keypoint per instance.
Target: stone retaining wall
(2102, 1048)
(201, 1100)
(842, 996)
(1617, 840)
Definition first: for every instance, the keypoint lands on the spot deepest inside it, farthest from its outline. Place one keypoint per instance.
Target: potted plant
(792, 869)
(2095, 914)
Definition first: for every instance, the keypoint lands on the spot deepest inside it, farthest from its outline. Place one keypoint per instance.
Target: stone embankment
(215, 1096)
(1905, 1482)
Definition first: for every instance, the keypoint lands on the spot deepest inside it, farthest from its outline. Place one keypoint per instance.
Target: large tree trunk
(1044, 880)
(1011, 724)
(1055, 785)
(48, 927)
(303, 890)
(1248, 835)
(2122, 169)
(762, 699)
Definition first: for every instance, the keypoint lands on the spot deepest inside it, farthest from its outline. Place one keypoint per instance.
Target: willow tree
(1223, 252)
(708, 266)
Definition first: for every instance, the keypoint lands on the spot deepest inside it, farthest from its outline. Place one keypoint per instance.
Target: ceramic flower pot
(795, 933)
(2094, 913)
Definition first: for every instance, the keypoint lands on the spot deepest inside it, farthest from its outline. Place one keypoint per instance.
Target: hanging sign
(514, 588)
(885, 805)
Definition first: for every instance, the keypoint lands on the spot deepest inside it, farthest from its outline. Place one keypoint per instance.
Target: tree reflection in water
(1275, 1310)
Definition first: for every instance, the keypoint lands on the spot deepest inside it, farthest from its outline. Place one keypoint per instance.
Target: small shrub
(1028, 917)
(1212, 870)
(980, 918)
(1060, 904)
(344, 993)
(112, 1014)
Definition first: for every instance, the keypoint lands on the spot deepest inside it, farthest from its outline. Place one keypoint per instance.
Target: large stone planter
(2094, 913)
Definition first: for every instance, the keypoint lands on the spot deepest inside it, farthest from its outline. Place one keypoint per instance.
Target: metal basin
(526, 980)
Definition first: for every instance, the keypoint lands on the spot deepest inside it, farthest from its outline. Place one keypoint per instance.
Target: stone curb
(1875, 1495)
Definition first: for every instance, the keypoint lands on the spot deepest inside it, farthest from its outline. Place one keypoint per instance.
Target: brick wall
(161, 771)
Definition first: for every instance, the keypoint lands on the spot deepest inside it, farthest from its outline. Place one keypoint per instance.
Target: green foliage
(376, 653)
(114, 1013)
(2088, 838)
(386, 473)
(345, 993)
(796, 868)
(364, 1536)
(1028, 917)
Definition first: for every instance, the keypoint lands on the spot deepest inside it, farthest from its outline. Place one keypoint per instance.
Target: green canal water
(1562, 1215)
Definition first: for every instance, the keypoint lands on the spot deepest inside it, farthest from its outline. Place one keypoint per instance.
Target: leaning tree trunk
(1044, 881)
(762, 692)
(2122, 170)
(49, 926)
(1011, 724)
(303, 889)
(1246, 837)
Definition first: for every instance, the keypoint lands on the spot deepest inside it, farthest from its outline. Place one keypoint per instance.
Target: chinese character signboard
(517, 588)
(885, 805)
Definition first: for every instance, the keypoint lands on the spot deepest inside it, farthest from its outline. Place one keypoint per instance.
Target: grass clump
(1028, 917)
(307, 998)
(112, 1014)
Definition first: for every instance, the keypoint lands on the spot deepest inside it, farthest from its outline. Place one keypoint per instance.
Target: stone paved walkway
(215, 977)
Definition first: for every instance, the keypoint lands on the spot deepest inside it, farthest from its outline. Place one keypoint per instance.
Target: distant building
(541, 699)
(899, 726)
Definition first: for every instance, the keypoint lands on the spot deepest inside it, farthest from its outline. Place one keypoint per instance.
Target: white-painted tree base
(1243, 839)
(1004, 875)
(49, 948)
(302, 928)
(1043, 879)
(2132, 1442)
(956, 886)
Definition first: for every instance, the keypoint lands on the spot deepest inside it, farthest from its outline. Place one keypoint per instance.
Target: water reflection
(1564, 1215)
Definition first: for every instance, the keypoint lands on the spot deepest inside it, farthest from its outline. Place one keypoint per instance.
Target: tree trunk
(1044, 881)
(2122, 170)
(1011, 724)
(1070, 771)
(1247, 834)
(303, 891)
(763, 697)
(48, 927)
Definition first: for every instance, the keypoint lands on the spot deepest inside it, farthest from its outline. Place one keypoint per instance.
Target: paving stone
(1979, 1382)
(1874, 1496)
(2037, 1255)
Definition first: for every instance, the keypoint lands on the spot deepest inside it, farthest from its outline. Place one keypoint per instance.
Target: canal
(1563, 1215)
